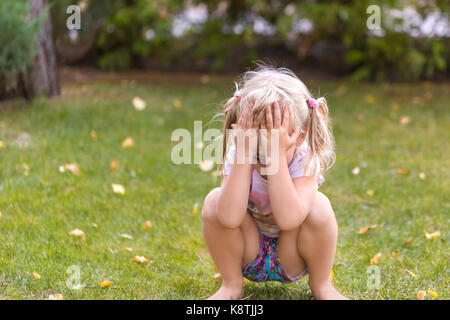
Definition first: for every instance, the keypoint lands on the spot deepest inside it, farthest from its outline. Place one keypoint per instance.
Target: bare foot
(327, 292)
(228, 293)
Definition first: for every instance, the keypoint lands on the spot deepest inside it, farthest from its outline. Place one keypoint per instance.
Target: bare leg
(317, 241)
(230, 249)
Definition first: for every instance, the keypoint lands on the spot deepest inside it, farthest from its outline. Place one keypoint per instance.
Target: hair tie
(237, 96)
(312, 103)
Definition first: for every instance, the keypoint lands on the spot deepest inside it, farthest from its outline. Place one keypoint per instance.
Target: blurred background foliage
(227, 35)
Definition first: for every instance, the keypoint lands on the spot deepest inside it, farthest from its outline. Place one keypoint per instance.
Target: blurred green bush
(223, 34)
(18, 36)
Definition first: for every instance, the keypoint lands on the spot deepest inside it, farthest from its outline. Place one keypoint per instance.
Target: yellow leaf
(402, 171)
(76, 233)
(56, 296)
(94, 135)
(432, 293)
(138, 104)
(176, 103)
(332, 277)
(118, 189)
(395, 253)
(370, 99)
(140, 259)
(421, 295)
(0, 214)
(411, 273)
(37, 276)
(431, 236)
(1, 144)
(375, 258)
(26, 168)
(365, 229)
(370, 192)
(127, 143)
(148, 225)
(105, 284)
(129, 249)
(195, 209)
(407, 242)
(113, 165)
(422, 176)
(72, 167)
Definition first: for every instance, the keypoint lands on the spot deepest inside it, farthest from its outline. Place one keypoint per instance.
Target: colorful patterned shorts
(267, 265)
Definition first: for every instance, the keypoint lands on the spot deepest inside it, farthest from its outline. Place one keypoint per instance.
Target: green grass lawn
(40, 205)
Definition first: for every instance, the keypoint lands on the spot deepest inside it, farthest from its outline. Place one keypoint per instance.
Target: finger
(269, 121)
(276, 115)
(286, 116)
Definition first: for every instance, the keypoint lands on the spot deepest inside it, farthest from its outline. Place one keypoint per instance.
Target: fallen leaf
(395, 253)
(1, 144)
(405, 120)
(129, 249)
(126, 236)
(76, 233)
(176, 103)
(422, 176)
(411, 273)
(216, 276)
(140, 259)
(332, 277)
(138, 104)
(147, 225)
(355, 171)
(0, 214)
(113, 165)
(375, 258)
(370, 99)
(370, 192)
(127, 143)
(365, 229)
(195, 209)
(56, 296)
(206, 165)
(37, 276)
(431, 236)
(94, 135)
(105, 284)
(421, 295)
(402, 171)
(72, 167)
(432, 293)
(118, 189)
(407, 242)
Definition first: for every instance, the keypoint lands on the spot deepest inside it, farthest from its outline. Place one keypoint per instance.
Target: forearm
(233, 199)
(288, 208)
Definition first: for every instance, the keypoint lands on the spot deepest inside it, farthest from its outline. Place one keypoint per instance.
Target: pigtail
(320, 138)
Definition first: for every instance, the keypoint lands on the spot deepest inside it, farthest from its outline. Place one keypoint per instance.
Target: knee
(209, 210)
(322, 213)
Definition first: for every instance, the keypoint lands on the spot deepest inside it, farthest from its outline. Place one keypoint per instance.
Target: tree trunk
(42, 76)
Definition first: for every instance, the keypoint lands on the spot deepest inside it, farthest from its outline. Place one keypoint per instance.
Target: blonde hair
(266, 85)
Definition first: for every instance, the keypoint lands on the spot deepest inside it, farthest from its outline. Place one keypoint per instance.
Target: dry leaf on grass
(105, 284)
(127, 143)
(140, 259)
(431, 236)
(147, 225)
(375, 258)
(365, 229)
(76, 233)
(37, 276)
(56, 296)
(72, 167)
(421, 295)
(138, 104)
(118, 189)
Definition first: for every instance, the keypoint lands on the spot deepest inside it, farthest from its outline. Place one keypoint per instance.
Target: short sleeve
(299, 162)
(228, 162)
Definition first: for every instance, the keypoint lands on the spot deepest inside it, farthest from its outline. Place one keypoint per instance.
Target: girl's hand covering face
(246, 136)
(275, 122)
